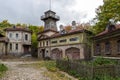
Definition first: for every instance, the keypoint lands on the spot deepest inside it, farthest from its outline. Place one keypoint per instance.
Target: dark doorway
(26, 49)
(43, 53)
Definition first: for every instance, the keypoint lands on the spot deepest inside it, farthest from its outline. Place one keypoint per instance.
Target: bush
(51, 66)
(3, 68)
(103, 61)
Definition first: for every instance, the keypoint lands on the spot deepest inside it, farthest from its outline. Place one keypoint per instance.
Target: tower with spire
(50, 18)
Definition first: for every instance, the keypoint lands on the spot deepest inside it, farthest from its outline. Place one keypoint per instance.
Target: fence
(88, 71)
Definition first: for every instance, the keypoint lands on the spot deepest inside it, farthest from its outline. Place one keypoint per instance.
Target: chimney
(14, 27)
(73, 25)
(62, 30)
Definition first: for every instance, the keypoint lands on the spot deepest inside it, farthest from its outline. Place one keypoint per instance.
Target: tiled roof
(117, 27)
(47, 31)
(18, 29)
(68, 33)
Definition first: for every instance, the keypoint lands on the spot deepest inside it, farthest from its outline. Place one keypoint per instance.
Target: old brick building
(107, 43)
(61, 44)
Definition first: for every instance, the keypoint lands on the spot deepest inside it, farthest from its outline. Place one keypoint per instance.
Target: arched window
(118, 45)
(107, 47)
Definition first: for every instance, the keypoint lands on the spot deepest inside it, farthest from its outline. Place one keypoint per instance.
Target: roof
(68, 33)
(18, 29)
(47, 31)
(4, 39)
(107, 32)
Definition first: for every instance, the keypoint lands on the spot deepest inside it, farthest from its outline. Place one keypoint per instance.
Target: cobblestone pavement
(16, 72)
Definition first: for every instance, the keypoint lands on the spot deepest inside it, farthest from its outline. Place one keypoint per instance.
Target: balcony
(50, 16)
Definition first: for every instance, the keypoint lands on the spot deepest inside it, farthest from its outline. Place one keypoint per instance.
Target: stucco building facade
(19, 40)
(61, 44)
(3, 45)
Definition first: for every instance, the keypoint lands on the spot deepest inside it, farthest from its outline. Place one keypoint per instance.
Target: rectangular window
(118, 46)
(16, 46)
(98, 49)
(74, 39)
(10, 35)
(107, 47)
(64, 40)
(53, 42)
(43, 43)
(40, 44)
(47, 43)
(26, 37)
(17, 36)
(10, 46)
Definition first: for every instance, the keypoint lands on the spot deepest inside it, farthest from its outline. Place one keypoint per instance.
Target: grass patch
(3, 69)
(52, 71)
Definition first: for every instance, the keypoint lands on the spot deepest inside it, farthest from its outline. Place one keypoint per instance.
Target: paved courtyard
(16, 72)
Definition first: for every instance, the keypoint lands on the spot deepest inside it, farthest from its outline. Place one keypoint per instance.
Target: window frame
(16, 46)
(107, 47)
(26, 37)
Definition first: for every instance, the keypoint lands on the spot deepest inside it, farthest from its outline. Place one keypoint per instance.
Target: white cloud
(29, 11)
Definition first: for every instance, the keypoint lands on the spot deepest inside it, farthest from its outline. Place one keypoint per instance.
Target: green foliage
(34, 40)
(51, 66)
(109, 10)
(4, 24)
(3, 68)
(35, 30)
(103, 61)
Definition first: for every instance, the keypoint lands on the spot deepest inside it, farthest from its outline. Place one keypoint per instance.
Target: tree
(4, 24)
(68, 28)
(109, 10)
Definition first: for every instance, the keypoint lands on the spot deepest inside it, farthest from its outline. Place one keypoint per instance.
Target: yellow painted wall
(80, 37)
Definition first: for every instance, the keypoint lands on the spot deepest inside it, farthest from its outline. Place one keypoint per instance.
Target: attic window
(74, 39)
(64, 40)
(53, 42)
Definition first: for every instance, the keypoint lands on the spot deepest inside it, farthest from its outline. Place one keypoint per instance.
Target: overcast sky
(29, 11)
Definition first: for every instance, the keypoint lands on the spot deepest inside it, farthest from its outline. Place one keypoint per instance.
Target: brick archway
(56, 54)
(73, 53)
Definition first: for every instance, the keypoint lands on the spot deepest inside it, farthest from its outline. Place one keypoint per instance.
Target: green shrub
(3, 68)
(103, 61)
(51, 66)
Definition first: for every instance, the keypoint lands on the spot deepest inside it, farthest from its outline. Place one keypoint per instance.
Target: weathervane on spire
(50, 4)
